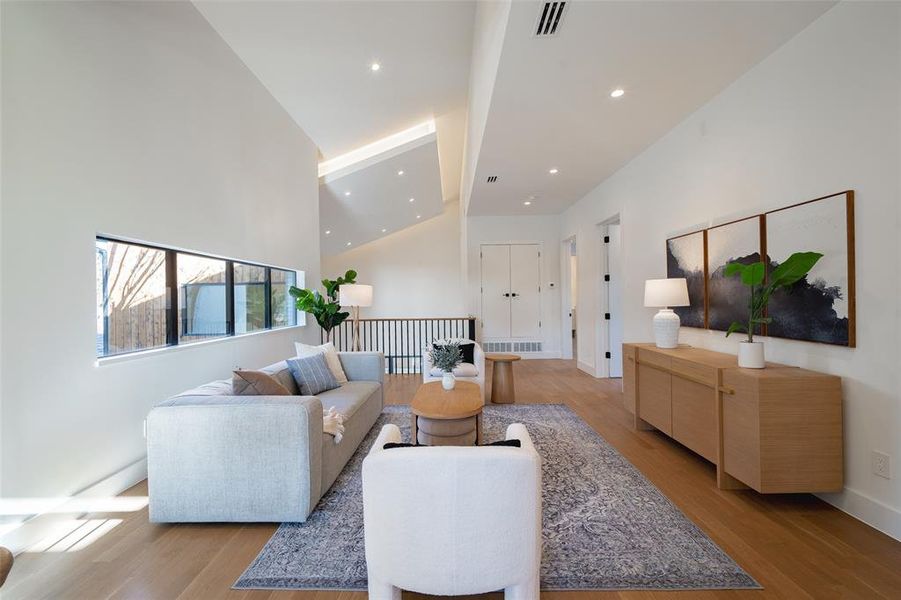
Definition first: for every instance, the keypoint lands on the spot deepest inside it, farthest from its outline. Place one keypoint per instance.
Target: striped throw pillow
(312, 374)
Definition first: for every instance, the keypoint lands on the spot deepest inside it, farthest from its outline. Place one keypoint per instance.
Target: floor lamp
(355, 295)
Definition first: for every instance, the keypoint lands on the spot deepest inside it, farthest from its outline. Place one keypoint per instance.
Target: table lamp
(355, 295)
(663, 294)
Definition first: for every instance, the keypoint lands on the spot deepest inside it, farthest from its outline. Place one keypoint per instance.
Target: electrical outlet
(882, 464)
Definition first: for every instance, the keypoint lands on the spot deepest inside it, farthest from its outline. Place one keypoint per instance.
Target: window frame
(172, 295)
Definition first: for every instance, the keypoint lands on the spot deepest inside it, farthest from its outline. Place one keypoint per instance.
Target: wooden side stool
(502, 391)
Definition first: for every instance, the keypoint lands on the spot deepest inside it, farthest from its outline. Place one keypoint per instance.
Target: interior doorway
(570, 293)
(609, 361)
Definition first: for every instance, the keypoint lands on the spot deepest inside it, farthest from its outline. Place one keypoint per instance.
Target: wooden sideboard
(776, 430)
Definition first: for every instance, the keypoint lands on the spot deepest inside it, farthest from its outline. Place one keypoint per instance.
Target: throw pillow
(256, 383)
(511, 443)
(331, 357)
(390, 445)
(312, 374)
(467, 349)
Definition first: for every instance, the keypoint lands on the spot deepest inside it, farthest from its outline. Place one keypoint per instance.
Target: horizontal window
(213, 297)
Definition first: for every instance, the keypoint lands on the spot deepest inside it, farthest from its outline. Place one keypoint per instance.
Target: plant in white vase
(792, 269)
(446, 357)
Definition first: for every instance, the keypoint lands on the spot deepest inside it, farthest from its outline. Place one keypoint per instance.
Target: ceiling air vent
(549, 18)
(492, 179)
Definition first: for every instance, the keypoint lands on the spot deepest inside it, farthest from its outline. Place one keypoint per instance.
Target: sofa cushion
(220, 387)
(312, 374)
(256, 383)
(349, 397)
(461, 370)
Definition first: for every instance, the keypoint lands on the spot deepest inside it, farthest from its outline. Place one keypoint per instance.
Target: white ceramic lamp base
(666, 328)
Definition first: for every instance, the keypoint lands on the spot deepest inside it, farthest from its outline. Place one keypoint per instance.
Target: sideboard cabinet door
(655, 407)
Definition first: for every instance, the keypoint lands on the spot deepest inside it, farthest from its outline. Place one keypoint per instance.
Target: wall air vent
(492, 179)
(549, 18)
(521, 347)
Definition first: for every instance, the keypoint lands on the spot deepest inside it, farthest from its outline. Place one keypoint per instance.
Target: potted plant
(325, 309)
(446, 357)
(792, 269)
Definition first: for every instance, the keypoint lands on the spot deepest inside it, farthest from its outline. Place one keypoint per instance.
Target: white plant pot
(448, 381)
(750, 355)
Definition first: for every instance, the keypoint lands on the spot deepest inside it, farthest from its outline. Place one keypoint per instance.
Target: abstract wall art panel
(727, 297)
(685, 258)
(819, 307)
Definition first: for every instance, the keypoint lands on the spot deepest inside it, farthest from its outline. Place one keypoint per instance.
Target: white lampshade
(666, 292)
(352, 294)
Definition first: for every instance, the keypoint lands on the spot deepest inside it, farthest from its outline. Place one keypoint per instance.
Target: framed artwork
(686, 257)
(819, 307)
(727, 297)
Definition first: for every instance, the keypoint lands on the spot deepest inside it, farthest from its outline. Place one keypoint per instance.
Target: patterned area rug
(606, 527)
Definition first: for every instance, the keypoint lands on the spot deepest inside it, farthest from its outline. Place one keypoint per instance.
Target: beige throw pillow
(256, 383)
(331, 357)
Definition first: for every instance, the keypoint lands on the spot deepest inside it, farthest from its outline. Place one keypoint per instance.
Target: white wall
(820, 115)
(133, 119)
(414, 272)
(544, 230)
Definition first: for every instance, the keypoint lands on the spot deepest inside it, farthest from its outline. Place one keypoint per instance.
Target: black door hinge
(606, 239)
(606, 355)
(607, 316)
(607, 277)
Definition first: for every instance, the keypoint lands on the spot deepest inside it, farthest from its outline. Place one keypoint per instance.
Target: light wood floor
(795, 546)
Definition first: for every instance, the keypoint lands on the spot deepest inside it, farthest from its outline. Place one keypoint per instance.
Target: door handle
(514, 295)
(506, 295)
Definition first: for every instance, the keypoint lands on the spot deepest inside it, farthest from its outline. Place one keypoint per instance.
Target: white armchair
(449, 520)
(465, 372)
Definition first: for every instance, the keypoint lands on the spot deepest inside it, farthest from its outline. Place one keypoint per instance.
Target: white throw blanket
(333, 423)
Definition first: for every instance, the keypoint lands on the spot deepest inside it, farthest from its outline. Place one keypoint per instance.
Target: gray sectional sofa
(212, 456)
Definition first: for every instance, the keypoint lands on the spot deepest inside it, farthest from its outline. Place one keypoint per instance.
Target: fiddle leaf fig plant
(790, 271)
(325, 308)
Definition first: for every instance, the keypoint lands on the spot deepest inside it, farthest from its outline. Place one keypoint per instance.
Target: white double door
(511, 291)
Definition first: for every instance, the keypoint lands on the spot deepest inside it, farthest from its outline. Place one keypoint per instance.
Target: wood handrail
(417, 319)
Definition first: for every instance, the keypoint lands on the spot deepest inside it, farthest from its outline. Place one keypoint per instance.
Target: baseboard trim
(586, 367)
(862, 507)
(32, 529)
(539, 355)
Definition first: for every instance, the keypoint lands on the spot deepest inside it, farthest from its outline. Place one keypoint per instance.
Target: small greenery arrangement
(792, 270)
(325, 309)
(446, 356)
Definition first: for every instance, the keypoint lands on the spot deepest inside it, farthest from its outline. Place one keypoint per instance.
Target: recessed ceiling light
(328, 232)
(347, 193)
(412, 199)
(384, 230)
(401, 172)
(417, 216)
(528, 203)
(618, 92)
(375, 66)
(553, 171)
(348, 243)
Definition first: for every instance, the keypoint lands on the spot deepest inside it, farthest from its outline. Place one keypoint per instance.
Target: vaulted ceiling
(549, 106)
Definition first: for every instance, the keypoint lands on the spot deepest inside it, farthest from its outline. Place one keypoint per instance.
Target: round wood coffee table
(447, 417)
(502, 391)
